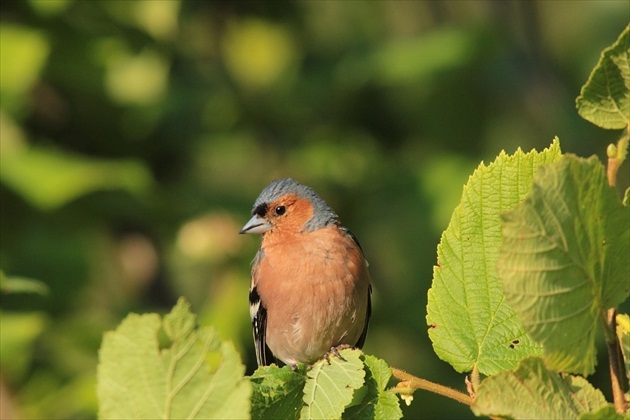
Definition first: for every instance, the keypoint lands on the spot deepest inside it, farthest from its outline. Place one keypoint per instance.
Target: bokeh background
(135, 136)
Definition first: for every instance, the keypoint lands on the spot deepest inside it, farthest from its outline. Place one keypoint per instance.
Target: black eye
(280, 210)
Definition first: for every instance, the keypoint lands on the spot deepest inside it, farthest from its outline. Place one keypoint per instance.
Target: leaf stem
(419, 383)
(475, 379)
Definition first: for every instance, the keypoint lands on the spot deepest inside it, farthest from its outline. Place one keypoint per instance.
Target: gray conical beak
(256, 225)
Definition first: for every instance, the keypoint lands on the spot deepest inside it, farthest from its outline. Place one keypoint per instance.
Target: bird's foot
(334, 351)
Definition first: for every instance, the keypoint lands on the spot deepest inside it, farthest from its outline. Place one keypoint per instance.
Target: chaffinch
(310, 289)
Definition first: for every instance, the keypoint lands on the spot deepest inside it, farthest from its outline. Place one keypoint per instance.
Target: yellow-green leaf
(330, 385)
(153, 368)
(564, 259)
(534, 392)
(605, 98)
(470, 323)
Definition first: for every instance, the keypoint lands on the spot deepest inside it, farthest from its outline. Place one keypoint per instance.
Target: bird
(310, 291)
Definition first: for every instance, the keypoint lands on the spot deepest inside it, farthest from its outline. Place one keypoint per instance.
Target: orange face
(288, 214)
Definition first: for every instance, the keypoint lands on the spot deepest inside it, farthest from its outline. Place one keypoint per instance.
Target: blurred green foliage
(136, 135)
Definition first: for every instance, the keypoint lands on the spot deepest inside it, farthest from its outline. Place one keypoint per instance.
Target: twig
(419, 383)
(616, 156)
(615, 362)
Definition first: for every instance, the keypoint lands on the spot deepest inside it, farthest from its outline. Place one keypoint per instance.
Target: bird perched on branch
(310, 290)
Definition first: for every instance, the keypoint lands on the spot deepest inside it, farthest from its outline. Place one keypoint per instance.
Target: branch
(616, 366)
(413, 382)
(616, 156)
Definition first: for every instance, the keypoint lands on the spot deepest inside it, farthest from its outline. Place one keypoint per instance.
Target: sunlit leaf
(533, 392)
(23, 53)
(470, 323)
(136, 79)
(376, 401)
(564, 259)
(50, 178)
(330, 385)
(605, 98)
(13, 284)
(277, 393)
(353, 388)
(257, 53)
(420, 58)
(50, 7)
(18, 332)
(167, 368)
(606, 412)
(159, 18)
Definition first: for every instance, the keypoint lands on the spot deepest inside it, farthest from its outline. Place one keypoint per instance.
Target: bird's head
(286, 205)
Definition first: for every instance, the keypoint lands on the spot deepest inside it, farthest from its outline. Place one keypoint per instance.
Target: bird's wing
(258, 314)
(361, 340)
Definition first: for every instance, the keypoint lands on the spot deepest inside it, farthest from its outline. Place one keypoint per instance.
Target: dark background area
(135, 136)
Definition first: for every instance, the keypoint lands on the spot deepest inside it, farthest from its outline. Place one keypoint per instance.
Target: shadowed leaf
(564, 259)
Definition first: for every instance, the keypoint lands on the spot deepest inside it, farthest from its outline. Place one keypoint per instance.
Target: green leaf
(330, 385)
(49, 8)
(606, 412)
(277, 393)
(564, 259)
(605, 98)
(379, 370)
(21, 285)
(623, 335)
(18, 333)
(153, 368)
(374, 401)
(470, 324)
(416, 60)
(532, 391)
(50, 178)
(281, 392)
(23, 55)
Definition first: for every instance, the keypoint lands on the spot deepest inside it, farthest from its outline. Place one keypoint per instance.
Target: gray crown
(323, 214)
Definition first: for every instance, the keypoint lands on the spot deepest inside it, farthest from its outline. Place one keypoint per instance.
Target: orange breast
(315, 287)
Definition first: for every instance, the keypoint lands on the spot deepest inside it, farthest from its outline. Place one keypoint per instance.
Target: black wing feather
(258, 313)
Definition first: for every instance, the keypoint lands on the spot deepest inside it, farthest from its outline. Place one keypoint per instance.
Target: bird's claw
(334, 351)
